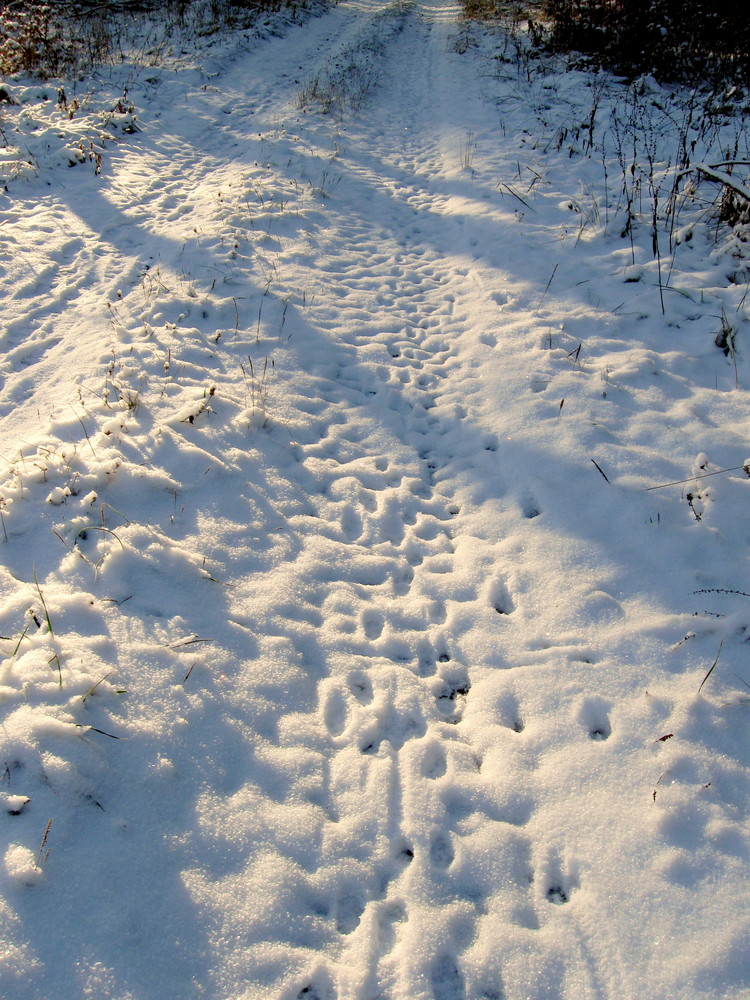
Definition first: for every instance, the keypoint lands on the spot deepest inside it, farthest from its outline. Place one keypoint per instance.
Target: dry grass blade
(42, 856)
(93, 729)
(55, 658)
(546, 288)
(21, 637)
(81, 533)
(704, 475)
(603, 473)
(93, 688)
(712, 668)
(517, 196)
(188, 640)
(44, 605)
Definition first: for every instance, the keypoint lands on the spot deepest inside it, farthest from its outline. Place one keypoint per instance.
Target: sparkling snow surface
(345, 653)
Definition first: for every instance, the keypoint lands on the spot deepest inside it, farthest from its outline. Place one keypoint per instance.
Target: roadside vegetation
(685, 41)
(61, 39)
(679, 40)
(682, 69)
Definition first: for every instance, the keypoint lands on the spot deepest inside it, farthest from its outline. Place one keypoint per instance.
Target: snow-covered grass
(374, 593)
(353, 70)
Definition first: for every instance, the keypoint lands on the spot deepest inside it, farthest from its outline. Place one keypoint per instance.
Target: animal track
(390, 916)
(500, 599)
(593, 715)
(402, 580)
(313, 992)
(335, 713)
(510, 713)
(452, 696)
(348, 912)
(406, 603)
(560, 880)
(441, 851)
(392, 727)
(446, 979)
(361, 688)
(404, 856)
(373, 624)
(434, 762)
(351, 523)
(530, 508)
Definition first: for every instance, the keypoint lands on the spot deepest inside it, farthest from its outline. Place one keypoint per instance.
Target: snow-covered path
(319, 512)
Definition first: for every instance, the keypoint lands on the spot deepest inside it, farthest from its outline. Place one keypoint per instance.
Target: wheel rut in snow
(406, 804)
(322, 558)
(345, 781)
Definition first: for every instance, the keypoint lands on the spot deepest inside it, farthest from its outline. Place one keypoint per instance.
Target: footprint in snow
(452, 696)
(446, 979)
(402, 581)
(593, 715)
(317, 992)
(404, 856)
(509, 713)
(560, 879)
(361, 688)
(335, 713)
(434, 762)
(351, 523)
(390, 917)
(441, 851)
(348, 913)
(396, 731)
(500, 599)
(373, 624)
(413, 555)
(530, 508)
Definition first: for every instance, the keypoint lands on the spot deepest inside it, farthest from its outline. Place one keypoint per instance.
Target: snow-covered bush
(50, 40)
(30, 40)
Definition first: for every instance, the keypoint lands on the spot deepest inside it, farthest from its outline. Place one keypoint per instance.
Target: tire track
(397, 685)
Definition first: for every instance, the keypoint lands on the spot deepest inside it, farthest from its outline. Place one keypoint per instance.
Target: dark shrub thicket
(673, 39)
(51, 38)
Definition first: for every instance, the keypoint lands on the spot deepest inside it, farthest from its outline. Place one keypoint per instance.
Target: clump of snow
(20, 865)
(14, 804)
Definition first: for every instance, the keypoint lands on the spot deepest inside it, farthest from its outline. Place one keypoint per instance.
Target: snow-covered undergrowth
(107, 52)
(42, 130)
(352, 71)
(353, 644)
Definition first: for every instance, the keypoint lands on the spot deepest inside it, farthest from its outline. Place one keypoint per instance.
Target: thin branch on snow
(720, 177)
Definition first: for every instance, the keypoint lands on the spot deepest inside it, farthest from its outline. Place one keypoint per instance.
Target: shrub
(30, 40)
(673, 39)
(55, 38)
(490, 10)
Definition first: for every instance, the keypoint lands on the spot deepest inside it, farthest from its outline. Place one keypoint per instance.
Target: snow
(352, 643)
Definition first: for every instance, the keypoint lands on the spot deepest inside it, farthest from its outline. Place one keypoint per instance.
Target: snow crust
(348, 649)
